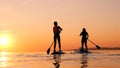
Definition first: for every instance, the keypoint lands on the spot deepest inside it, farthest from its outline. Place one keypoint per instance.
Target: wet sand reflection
(84, 59)
(57, 60)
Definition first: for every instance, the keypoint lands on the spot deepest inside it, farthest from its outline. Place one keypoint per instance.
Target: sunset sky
(26, 25)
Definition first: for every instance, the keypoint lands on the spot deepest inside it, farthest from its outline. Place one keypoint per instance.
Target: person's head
(55, 23)
(84, 30)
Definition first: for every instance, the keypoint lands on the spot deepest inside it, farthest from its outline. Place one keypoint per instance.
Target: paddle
(98, 47)
(48, 51)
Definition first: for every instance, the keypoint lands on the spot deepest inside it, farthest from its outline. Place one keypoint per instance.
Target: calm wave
(96, 59)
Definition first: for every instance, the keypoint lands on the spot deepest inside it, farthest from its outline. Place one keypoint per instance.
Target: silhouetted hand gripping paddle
(48, 51)
(98, 47)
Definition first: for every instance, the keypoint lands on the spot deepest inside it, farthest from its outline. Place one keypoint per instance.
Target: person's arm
(53, 30)
(60, 29)
(80, 33)
(87, 35)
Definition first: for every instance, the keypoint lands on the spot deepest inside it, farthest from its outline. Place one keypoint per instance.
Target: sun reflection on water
(3, 59)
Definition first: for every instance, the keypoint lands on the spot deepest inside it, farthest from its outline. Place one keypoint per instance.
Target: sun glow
(4, 40)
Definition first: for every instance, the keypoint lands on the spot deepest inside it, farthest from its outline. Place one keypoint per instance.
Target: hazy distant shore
(103, 48)
(106, 48)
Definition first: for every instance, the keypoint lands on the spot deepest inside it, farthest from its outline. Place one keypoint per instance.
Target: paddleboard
(81, 51)
(58, 53)
(84, 52)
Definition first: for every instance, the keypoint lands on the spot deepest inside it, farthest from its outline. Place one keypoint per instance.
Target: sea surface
(95, 59)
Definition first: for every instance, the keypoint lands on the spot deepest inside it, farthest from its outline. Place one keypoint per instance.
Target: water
(96, 59)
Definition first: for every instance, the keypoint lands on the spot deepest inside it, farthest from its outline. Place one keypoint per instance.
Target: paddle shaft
(48, 51)
(92, 42)
(51, 44)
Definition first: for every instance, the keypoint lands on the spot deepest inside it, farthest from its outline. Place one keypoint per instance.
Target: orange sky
(28, 23)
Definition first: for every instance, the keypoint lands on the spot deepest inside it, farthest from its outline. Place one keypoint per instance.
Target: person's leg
(86, 45)
(54, 43)
(59, 42)
(82, 43)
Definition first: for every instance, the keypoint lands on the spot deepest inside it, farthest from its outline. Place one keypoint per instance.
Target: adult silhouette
(56, 30)
(85, 36)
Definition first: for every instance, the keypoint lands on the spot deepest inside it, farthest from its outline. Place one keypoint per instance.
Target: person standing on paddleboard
(56, 30)
(85, 36)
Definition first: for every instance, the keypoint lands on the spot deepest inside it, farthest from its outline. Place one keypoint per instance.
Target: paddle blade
(48, 51)
(98, 47)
